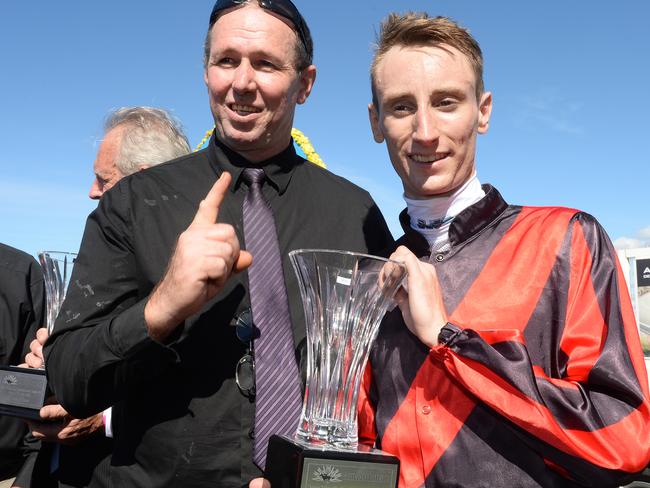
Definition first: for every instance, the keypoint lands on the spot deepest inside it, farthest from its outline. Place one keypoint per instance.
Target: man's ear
(373, 115)
(307, 80)
(143, 166)
(484, 111)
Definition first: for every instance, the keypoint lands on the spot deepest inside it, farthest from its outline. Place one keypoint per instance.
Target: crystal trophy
(23, 390)
(345, 295)
(57, 269)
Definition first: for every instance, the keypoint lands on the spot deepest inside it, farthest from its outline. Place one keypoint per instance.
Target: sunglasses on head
(283, 8)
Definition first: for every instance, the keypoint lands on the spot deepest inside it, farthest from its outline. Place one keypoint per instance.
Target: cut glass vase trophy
(345, 295)
(23, 390)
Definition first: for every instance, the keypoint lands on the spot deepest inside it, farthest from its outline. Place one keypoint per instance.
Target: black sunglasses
(283, 8)
(245, 368)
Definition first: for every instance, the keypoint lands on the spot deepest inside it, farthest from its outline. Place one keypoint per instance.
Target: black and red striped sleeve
(546, 337)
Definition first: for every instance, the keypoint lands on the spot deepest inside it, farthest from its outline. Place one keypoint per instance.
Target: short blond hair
(419, 29)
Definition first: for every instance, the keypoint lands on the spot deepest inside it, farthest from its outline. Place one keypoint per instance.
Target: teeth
(244, 108)
(432, 158)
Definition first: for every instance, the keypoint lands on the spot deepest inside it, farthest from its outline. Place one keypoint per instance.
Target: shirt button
(440, 257)
(426, 409)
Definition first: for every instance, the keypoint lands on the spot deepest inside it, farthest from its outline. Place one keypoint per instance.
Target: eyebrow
(438, 93)
(451, 91)
(394, 98)
(231, 51)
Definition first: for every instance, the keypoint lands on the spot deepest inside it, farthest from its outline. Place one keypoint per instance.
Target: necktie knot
(254, 177)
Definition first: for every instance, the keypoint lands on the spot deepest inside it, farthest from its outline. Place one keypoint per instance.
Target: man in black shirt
(149, 322)
(22, 311)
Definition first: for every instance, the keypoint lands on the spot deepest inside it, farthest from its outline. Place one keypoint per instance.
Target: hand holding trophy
(23, 390)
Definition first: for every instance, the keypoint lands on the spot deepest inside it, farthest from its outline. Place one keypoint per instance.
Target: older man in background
(135, 138)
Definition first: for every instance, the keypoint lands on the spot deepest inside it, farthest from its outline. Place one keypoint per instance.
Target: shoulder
(549, 213)
(576, 227)
(331, 186)
(549, 218)
(335, 199)
(15, 263)
(174, 172)
(199, 157)
(557, 216)
(171, 181)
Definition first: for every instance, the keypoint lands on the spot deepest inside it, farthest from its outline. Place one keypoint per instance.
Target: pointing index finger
(209, 206)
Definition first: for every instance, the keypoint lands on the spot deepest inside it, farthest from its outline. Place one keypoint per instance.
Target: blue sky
(569, 80)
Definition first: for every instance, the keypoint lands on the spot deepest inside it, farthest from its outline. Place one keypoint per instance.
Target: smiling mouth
(243, 109)
(428, 158)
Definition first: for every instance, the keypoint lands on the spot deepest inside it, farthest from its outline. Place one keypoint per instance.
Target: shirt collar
(466, 224)
(278, 169)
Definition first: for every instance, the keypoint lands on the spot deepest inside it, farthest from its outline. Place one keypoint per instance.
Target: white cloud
(640, 239)
(547, 107)
(627, 243)
(645, 233)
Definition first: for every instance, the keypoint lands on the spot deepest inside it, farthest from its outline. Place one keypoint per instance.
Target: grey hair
(151, 136)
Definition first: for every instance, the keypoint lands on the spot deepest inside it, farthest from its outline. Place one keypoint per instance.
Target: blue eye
(447, 102)
(401, 107)
(226, 61)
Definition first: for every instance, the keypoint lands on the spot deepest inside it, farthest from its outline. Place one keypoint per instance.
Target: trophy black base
(294, 464)
(22, 391)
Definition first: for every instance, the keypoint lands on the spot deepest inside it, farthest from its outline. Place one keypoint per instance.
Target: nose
(244, 78)
(425, 127)
(95, 192)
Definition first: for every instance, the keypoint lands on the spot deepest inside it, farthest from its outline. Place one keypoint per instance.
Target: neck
(433, 216)
(243, 158)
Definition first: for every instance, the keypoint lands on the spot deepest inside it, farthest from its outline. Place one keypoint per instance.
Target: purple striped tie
(278, 399)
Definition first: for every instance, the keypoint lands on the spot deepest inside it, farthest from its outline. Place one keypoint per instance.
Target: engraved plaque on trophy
(23, 390)
(345, 295)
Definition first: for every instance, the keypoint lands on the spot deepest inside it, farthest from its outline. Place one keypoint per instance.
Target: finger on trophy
(391, 272)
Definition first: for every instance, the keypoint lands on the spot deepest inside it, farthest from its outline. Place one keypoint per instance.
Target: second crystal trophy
(345, 295)
(22, 390)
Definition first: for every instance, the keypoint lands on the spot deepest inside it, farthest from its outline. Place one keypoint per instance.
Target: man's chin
(239, 140)
(430, 190)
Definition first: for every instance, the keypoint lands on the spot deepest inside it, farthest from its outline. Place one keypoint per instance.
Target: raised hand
(206, 255)
(422, 305)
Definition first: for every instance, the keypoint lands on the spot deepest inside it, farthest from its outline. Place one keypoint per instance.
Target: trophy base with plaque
(293, 463)
(22, 391)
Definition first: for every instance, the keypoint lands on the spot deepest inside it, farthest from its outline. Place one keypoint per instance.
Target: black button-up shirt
(179, 418)
(22, 309)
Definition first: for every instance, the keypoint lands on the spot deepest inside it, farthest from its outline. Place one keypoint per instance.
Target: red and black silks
(542, 380)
